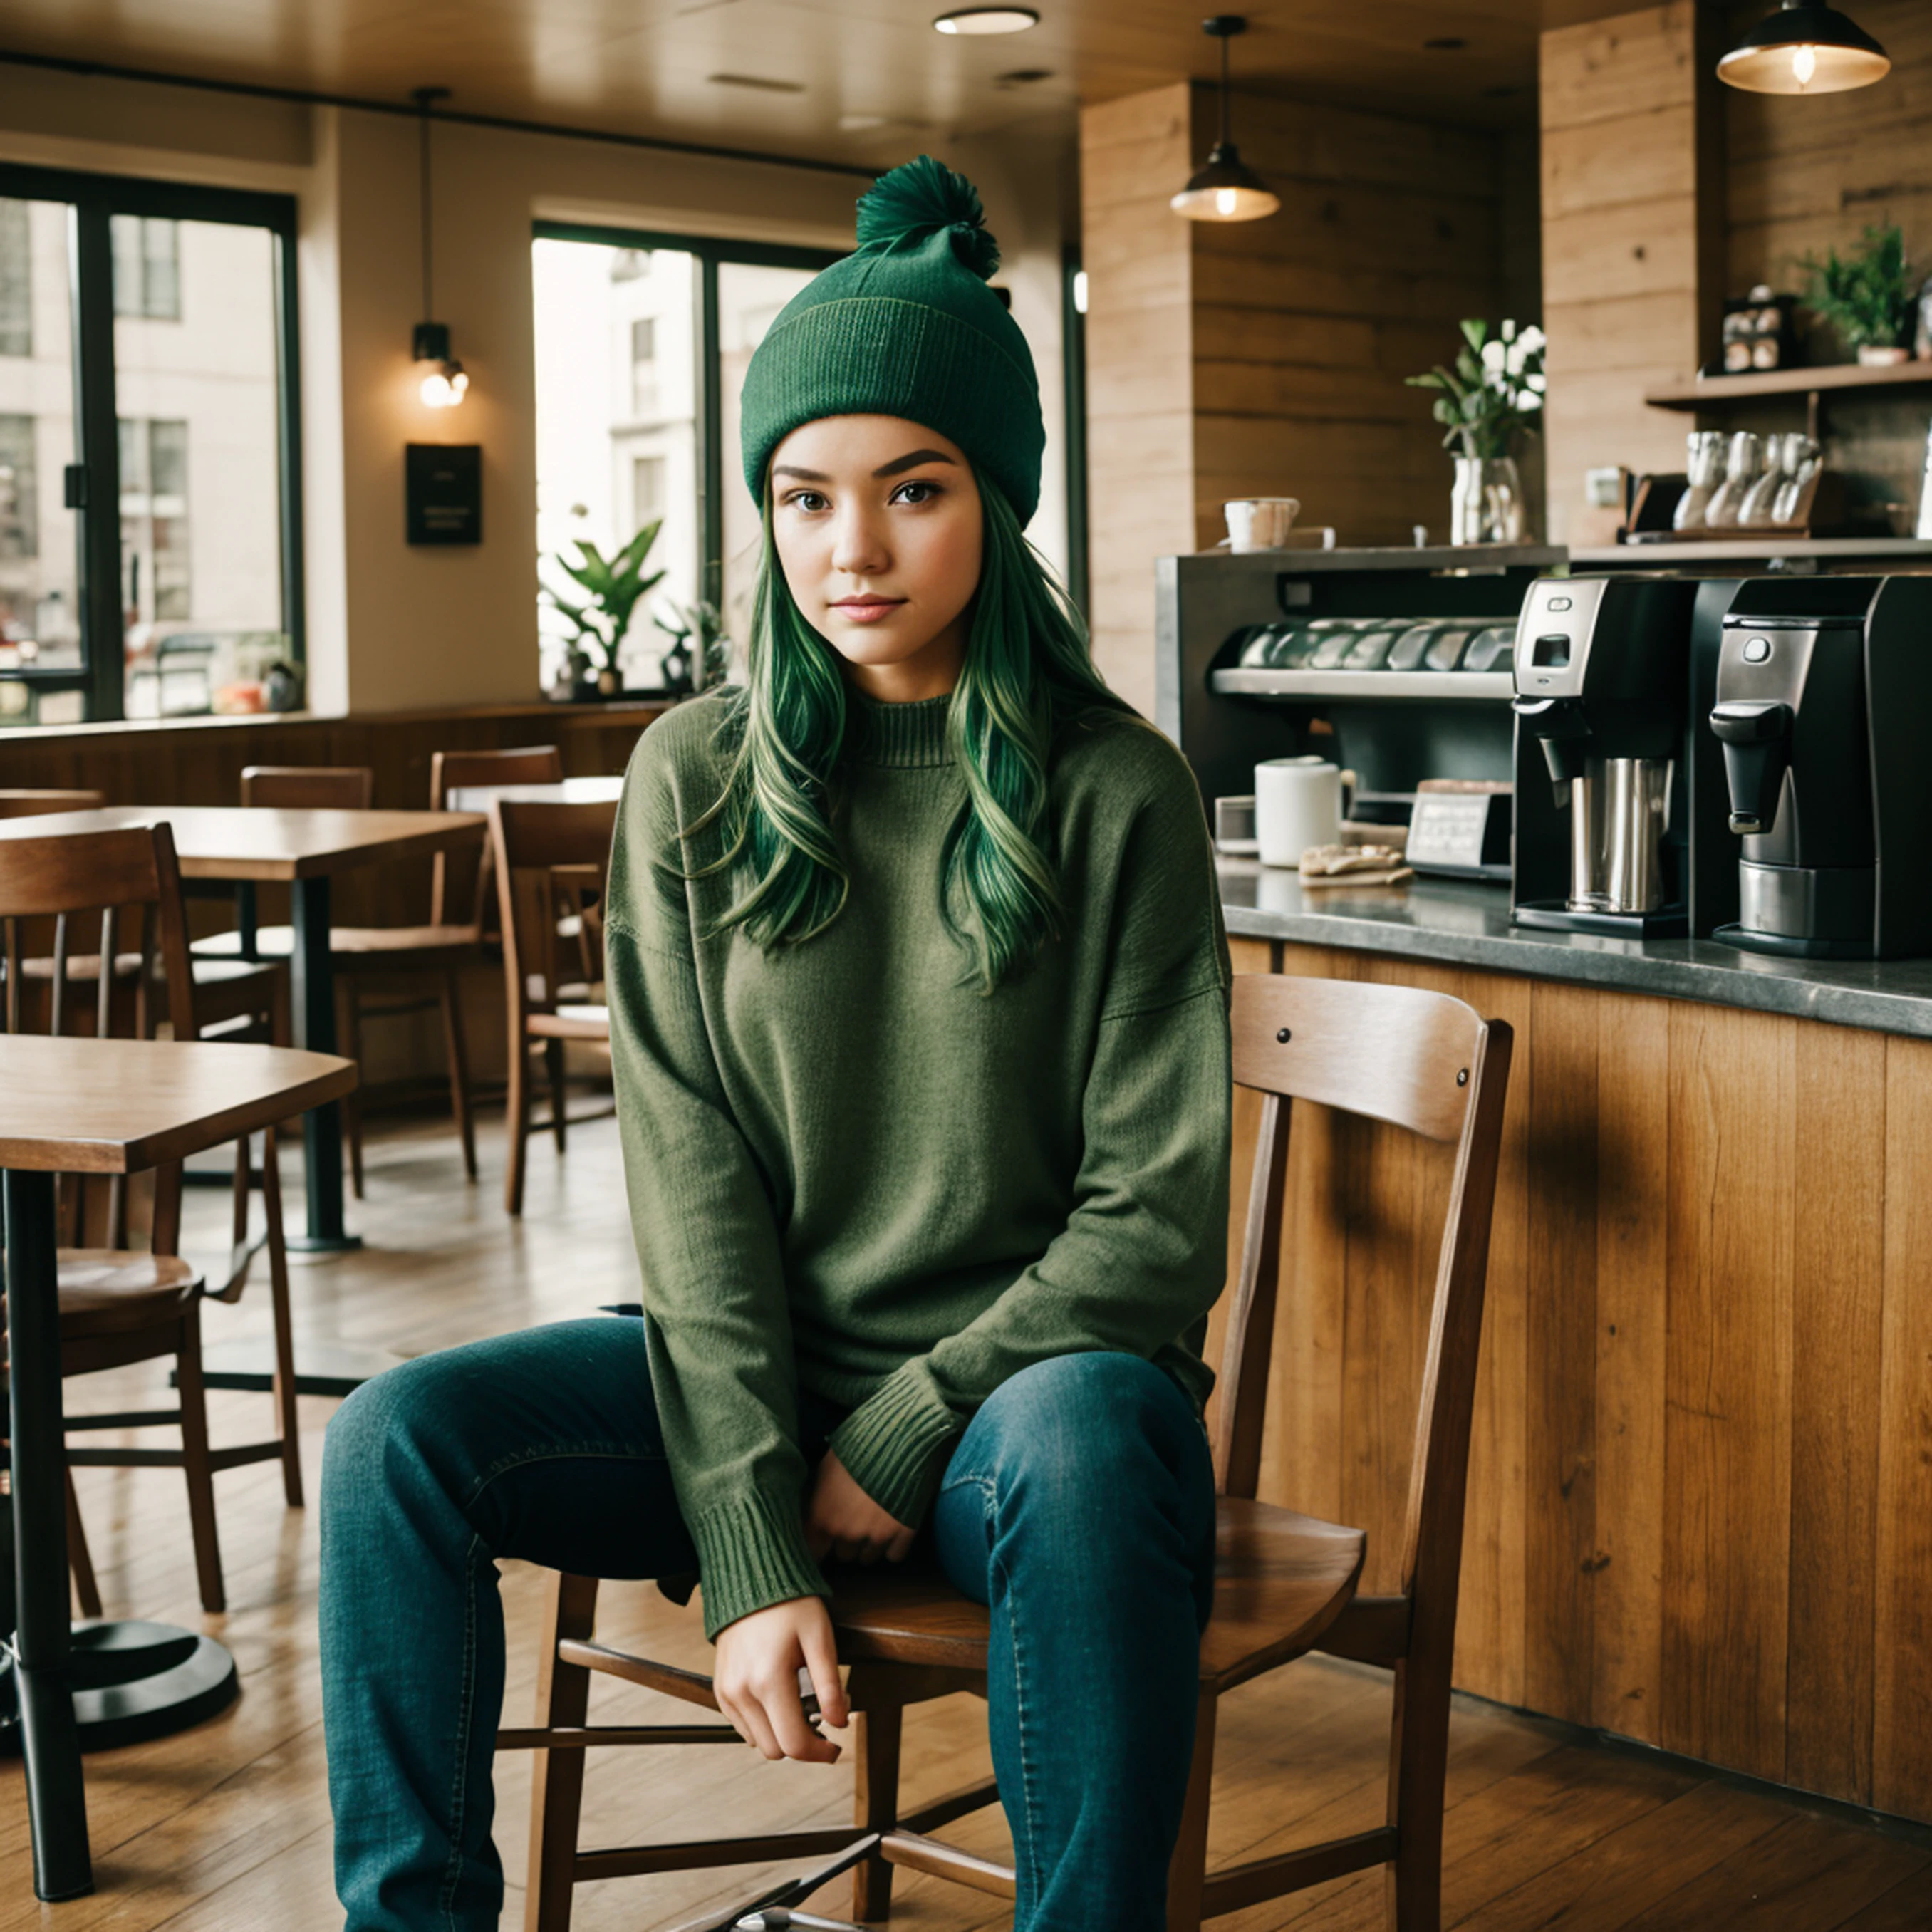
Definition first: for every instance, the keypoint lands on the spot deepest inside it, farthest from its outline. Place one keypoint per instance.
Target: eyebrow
(898, 465)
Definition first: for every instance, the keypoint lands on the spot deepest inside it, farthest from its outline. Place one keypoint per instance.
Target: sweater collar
(899, 734)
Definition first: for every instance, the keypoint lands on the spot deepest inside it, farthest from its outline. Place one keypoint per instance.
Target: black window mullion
(97, 448)
(287, 351)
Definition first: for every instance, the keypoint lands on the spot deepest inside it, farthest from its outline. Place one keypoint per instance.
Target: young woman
(918, 989)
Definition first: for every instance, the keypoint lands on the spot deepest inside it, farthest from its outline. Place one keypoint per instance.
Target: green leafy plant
(1492, 391)
(1865, 296)
(697, 630)
(601, 618)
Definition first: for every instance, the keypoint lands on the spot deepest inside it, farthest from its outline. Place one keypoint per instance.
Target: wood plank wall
(1633, 235)
(1266, 358)
(1700, 1508)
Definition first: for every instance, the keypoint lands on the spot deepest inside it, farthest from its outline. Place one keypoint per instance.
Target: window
(641, 347)
(16, 280)
(147, 266)
(186, 556)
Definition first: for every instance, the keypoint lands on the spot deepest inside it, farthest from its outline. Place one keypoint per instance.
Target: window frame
(92, 200)
(711, 254)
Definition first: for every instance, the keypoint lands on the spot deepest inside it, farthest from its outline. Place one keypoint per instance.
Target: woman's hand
(755, 1678)
(841, 1517)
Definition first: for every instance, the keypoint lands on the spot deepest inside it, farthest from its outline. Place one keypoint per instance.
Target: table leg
(56, 1798)
(312, 994)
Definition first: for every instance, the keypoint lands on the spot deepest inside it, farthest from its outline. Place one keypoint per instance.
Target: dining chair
(548, 854)
(119, 1305)
(24, 803)
(1285, 1583)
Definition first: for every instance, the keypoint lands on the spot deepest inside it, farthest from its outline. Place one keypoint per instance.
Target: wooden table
(89, 1106)
(303, 850)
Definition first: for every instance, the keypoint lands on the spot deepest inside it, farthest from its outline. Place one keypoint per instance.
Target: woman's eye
(925, 491)
(808, 500)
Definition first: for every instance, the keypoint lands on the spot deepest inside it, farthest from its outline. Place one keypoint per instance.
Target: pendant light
(444, 383)
(1225, 189)
(1804, 49)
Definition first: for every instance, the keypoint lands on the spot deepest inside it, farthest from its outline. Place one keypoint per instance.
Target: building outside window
(147, 266)
(156, 586)
(17, 280)
(647, 489)
(644, 366)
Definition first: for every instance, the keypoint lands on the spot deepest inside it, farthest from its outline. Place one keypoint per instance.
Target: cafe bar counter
(1700, 1501)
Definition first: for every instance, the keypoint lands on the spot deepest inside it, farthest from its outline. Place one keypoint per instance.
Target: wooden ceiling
(847, 79)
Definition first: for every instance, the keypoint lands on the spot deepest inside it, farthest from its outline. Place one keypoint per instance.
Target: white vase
(1881, 355)
(1486, 502)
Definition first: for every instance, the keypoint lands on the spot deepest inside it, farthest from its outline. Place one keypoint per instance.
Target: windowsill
(535, 707)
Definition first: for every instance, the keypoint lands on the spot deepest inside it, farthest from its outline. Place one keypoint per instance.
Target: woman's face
(878, 529)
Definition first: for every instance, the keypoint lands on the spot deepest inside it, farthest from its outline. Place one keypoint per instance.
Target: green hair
(1028, 670)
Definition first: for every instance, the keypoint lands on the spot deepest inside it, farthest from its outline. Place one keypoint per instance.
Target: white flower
(1539, 381)
(1527, 400)
(1494, 353)
(1517, 356)
(1533, 338)
(1509, 331)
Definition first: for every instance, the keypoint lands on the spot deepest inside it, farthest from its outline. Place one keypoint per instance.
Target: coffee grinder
(1824, 693)
(1619, 789)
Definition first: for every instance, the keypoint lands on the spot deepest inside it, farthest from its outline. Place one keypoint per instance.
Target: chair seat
(107, 1291)
(375, 949)
(584, 1022)
(1280, 1579)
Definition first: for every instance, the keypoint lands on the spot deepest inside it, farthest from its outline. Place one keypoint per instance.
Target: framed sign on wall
(444, 490)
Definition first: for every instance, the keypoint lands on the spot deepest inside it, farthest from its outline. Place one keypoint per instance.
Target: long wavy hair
(1028, 670)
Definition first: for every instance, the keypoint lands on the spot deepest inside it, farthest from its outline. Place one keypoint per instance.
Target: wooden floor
(227, 1826)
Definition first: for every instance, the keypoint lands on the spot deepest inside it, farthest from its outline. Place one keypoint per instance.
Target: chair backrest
(309, 787)
(107, 888)
(1418, 1060)
(524, 764)
(33, 803)
(542, 848)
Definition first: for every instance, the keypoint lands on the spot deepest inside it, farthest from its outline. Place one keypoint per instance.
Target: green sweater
(851, 1172)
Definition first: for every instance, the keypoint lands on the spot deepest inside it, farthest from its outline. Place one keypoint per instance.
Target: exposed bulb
(1226, 200)
(443, 388)
(1804, 65)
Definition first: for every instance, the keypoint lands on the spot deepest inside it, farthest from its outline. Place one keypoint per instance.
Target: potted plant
(1491, 394)
(700, 654)
(600, 619)
(1866, 296)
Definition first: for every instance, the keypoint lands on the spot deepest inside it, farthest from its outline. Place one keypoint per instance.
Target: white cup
(1260, 522)
(1298, 804)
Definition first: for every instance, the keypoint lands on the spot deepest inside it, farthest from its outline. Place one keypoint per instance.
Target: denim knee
(1088, 1417)
(404, 1409)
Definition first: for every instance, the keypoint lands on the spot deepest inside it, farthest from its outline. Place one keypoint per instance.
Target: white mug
(1298, 804)
(1260, 522)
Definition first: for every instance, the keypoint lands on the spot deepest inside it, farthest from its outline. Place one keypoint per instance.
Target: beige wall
(392, 627)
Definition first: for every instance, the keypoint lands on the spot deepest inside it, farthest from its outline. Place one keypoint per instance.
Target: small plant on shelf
(1866, 296)
(1489, 396)
(698, 645)
(600, 618)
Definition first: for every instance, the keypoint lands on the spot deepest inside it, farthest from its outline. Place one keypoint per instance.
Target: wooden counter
(1700, 1504)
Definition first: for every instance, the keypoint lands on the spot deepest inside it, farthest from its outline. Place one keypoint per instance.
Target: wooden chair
(19, 803)
(547, 854)
(119, 1305)
(1285, 1583)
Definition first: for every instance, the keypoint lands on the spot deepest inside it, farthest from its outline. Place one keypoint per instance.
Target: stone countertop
(1465, 923)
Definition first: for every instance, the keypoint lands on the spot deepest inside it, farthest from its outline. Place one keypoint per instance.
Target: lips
(867, 610)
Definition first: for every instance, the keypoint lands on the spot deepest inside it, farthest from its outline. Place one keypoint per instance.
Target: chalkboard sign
(445, 492)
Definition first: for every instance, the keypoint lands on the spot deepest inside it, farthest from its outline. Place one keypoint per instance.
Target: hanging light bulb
(1805, 49)
(445, 384)
(1225, 189)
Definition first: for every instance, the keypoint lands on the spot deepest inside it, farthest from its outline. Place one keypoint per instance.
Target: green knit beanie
(906, 326)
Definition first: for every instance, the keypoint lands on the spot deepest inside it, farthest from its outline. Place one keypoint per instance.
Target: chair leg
(1418, 1770)
(459, 1068)
(86, 1589)
(348, 1019)
(517, 1118)
(1187, 1874)
(195, 1463)
(876, 1735)
(556, 1790)
(554, 1066)
(286, 1420)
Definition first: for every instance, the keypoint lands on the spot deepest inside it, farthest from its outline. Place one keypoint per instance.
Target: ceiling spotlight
(1804, 49)
(987, 20)
(1226, 189)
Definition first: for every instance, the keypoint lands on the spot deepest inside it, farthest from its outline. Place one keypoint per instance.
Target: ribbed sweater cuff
(752, 1553)
(894, 1445)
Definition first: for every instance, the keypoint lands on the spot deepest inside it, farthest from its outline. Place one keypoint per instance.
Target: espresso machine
(1620, 791)
(1823, 699)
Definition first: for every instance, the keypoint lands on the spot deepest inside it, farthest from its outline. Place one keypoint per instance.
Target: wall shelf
(1713, 390)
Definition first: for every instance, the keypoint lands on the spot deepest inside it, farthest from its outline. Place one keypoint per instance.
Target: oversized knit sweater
(851, 1171)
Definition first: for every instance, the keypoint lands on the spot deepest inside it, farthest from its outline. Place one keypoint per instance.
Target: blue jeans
(1078, 1505)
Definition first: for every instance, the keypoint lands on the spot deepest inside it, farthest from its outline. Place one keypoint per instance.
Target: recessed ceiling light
(987, 20)
(756, 80)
